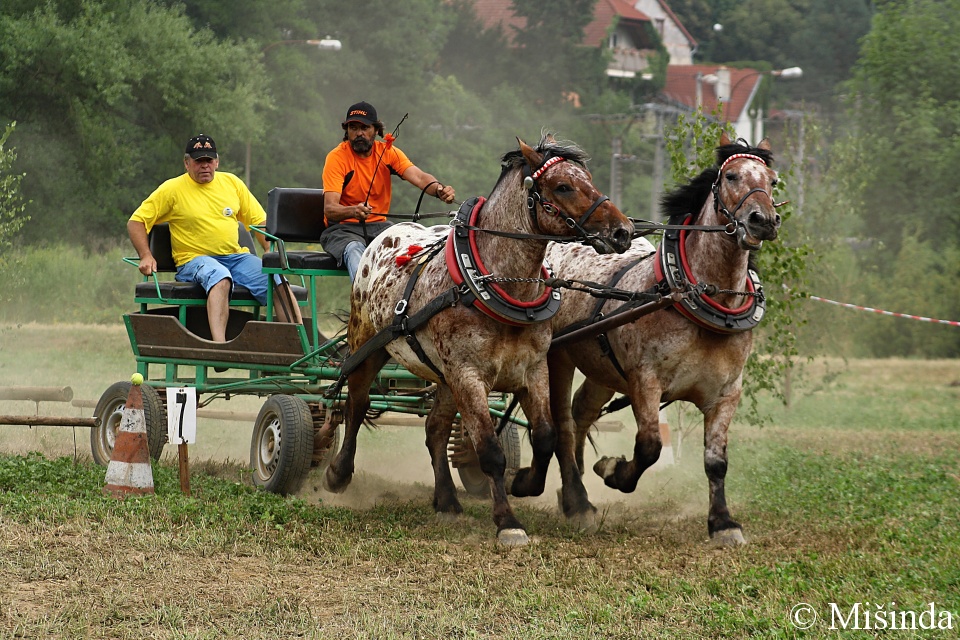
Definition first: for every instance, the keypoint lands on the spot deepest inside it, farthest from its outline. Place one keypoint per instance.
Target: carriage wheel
(282, 445)
(473, 479)
(110, 411)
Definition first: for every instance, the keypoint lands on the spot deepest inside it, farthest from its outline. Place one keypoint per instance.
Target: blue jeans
(351, 258)
(244, 269)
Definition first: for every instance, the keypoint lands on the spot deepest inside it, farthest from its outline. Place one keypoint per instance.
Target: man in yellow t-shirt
(203, 208)
(356, 186)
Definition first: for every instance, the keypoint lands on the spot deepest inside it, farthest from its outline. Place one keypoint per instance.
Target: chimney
(723, 84)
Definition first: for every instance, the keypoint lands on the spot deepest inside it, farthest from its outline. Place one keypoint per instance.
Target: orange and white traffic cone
(129, 471)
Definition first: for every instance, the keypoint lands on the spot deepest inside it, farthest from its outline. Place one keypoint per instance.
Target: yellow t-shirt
(203, 217)
(342, 161)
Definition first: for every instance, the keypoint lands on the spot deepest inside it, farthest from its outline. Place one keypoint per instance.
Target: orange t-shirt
(343, 162)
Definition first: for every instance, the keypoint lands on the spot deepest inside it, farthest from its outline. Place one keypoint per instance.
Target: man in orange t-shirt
(356, 186)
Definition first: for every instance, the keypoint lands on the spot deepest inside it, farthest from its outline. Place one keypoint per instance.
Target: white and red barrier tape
(952, 323)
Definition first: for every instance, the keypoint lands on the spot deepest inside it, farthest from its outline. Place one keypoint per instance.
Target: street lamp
(323, 44)
(326, 44)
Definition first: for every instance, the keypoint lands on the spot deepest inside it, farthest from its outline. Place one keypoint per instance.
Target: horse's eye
(563, 187)
(732, 177)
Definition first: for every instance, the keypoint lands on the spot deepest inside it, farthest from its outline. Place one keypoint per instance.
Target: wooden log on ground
(50, 421)
(37, 394)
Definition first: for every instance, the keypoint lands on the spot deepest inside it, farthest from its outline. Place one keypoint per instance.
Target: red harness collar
(465, 266)
(673, 272)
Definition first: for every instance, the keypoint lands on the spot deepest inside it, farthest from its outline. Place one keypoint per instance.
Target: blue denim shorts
(244, 269)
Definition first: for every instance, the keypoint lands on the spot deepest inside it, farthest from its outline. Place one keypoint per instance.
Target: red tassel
(402, 260)
(413, 249)
(389, 138)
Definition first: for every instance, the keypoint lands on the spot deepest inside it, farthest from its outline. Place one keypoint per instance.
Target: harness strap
(404, 325)
(602, 339)
(400, 312)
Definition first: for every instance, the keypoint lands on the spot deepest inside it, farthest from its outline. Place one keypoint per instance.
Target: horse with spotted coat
(496, 341)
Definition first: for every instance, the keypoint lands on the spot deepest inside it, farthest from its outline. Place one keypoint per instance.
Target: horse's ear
(764, 144)
(533, 158)
(724, 139)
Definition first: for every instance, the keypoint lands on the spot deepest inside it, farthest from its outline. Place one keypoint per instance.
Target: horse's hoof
(335, 486)
(728, 538)
(585, 522)
(605, 467)
(512, 538)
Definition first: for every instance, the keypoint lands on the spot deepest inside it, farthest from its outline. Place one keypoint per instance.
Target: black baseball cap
(201, 146)
(361, 112)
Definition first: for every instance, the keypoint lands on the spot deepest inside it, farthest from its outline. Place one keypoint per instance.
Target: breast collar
(467, 270)
(673, 271)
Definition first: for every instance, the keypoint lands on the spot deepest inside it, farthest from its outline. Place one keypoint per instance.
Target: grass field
(851, 496)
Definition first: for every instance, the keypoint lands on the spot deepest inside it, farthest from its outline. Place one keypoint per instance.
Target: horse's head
(562, 199)
(743, 192)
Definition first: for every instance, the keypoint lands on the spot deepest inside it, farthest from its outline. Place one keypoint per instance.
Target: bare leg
(286, 304)
(218, 309)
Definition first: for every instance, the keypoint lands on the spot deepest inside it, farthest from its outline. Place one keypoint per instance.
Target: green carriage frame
(291, 364)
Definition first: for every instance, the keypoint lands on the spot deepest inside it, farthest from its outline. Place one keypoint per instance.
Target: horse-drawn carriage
(293, 365)
(445, 322)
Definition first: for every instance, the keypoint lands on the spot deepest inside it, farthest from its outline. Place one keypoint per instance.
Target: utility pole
(656, 183)
(616, 184)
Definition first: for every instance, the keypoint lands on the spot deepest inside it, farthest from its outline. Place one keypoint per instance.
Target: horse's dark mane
(547, 147)
(689, 198)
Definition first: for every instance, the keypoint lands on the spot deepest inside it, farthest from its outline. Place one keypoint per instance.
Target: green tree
(905, 113)
(106, 92)
(12, 205)
(548, 50)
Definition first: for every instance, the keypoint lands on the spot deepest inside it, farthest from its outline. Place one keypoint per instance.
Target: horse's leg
(622, 474)
(573, 495)
(470, 395)
(340, 472)
(716, 421)
(529, 481)
(588, 402)
(438, 427)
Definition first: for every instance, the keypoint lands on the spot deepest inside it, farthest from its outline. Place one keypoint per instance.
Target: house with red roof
(625, 28)
(617, 25)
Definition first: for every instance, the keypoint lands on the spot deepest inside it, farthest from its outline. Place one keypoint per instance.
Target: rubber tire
(475, 481)
(110, 411)
(282, 445)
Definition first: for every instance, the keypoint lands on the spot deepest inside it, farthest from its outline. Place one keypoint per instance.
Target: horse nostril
(755, 218)
(622, 237)
(776, 219)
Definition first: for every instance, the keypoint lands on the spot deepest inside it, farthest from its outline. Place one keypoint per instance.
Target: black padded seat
(171, 290)
(295, 214)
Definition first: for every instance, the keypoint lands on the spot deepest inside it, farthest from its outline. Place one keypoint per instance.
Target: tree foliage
(12, 206)
(106, 92)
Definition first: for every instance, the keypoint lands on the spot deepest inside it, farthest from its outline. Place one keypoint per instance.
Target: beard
(361, 145)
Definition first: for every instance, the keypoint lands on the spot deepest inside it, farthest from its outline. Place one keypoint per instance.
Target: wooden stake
(184, 468)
